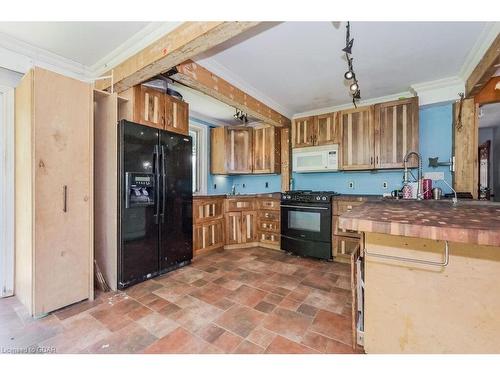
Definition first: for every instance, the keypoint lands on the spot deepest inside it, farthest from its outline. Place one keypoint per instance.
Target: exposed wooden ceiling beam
(482, 73)
(489, 93)
(197, 77)
(181, 44)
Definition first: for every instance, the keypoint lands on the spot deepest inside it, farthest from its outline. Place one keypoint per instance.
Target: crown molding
(218, 69)
(20, 56)
(440, 90)
(483, 42)
(133, 45)
(380, 99)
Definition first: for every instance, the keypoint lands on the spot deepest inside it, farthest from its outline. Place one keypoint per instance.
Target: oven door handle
(308, 207)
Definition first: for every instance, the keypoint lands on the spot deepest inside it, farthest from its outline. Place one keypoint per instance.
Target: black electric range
(306, 223)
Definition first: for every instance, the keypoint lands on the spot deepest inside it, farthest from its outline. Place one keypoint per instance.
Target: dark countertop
(274, 195)
(357, 197)
(474, 222)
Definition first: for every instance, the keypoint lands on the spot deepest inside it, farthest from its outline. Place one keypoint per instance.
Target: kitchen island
(431, 273)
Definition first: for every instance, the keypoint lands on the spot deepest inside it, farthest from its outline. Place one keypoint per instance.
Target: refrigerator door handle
(156, 162)
(164, 182)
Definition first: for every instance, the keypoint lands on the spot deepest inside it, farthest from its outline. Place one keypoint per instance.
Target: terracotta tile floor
(236, 301)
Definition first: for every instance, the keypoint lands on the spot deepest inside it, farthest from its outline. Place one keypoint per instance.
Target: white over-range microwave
(315, 159)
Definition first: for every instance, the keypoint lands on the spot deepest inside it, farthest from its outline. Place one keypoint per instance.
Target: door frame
(7, 194)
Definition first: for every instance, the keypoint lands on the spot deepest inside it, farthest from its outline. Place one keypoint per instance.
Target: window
(200, 158)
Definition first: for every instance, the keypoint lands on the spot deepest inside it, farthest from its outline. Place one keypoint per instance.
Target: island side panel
(413, 308)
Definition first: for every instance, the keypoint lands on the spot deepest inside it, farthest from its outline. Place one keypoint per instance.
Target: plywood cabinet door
(249, 226)
(149, 107)
(207, 236)
(266, 149)
(358, 139)
(233, 227)
(176, 115)
(303, 132)
(239, 156)
(327, 129)
(396, 133)
(63, 191)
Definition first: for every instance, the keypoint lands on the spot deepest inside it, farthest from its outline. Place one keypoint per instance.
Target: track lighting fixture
(240, 115)
(350, 75)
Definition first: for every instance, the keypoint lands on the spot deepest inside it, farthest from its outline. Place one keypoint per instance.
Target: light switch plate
(435, 176)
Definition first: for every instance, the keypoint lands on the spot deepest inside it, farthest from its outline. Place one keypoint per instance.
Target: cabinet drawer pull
(65, 198)
(444, 263)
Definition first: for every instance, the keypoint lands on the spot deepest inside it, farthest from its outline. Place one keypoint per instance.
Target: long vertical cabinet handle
(156, 161)
(65, 198)
(164, 183)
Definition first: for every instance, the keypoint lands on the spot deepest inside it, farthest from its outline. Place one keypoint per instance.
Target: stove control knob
(324, 198)
(318, 198)
(287, 197)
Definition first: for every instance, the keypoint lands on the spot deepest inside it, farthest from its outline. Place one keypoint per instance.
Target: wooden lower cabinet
(208, 236)
(245, 221)
(344, 241)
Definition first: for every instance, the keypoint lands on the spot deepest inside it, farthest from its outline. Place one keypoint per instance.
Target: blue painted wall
(435, 141)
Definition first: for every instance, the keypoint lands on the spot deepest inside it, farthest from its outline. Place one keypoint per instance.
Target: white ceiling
(299, 66)
(82, 42)
(489, 115)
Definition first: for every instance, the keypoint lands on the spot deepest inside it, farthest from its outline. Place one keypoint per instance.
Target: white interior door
(7, 191)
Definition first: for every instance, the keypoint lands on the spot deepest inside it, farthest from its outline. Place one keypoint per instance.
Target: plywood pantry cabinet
(155, 108)
(54, 191)
(245, 150)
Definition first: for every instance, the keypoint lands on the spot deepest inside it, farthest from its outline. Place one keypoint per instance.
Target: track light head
(354, 87)
(349, 75)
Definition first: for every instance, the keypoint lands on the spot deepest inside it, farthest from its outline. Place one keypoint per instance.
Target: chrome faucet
(233, 189)
(420, 195)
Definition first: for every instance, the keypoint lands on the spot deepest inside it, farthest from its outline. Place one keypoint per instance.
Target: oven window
(308, 221)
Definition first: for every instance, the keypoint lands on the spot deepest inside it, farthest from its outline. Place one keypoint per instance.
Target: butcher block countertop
(473, 222)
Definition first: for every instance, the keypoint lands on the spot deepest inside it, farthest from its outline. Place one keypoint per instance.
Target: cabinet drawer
(239, 204)
(343, 232)
(269, 226)
(345, 206)
(271, 238)
(268, 204)
(270, 215)
(343, 247)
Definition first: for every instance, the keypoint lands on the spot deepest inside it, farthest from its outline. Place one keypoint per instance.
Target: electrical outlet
(267, 184)
(215, 186)
(385, 185)
(351, 184)
(243, 186)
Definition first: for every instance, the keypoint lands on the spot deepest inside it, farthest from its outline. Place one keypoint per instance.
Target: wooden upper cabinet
(303, 132)
(155, 108)
(327, 129)
(266, 149)
(149, 107)
(176, 115)
(396, 133)
(231, 150)
(358, 138)
(239, 149)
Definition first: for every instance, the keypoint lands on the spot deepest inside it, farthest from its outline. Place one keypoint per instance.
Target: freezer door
(139, 203)
(176, 217)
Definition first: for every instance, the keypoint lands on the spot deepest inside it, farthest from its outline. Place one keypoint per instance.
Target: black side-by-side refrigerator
(155, 203)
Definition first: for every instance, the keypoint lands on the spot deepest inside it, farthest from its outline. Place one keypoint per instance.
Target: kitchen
(215, 211)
